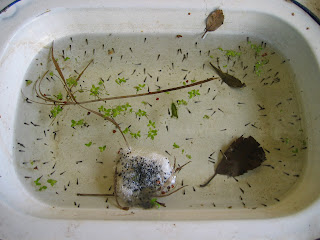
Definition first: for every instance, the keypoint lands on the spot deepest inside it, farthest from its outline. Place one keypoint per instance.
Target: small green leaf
(42, 188)
(51, 74)
(296, 150)
(28, 82)
(255, 47)
(94, 91)
(139, 87)
(56, 110)
(182, 102)
(188, 156)
(175, 145)
(88, 144)
(102, 148)
(52, 182)
(102, 109)
(125, 131)
(77, 123)
(135, 135)
(141, 113)
(152, 124)
(182, 151)
(258, 65)
(174, 111)
(101, 82)
(71, 82)
(193, 93)
(154, 202)
(120, 80)
(37, 181)
(116, 110)
(59, 96)
(152, 133)
(206, 117)
(67, 58)
(230, 53)
(193, 81)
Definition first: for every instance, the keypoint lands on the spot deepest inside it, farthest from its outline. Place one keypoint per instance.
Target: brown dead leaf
(244, 154)
(230, 80)
(214, 21)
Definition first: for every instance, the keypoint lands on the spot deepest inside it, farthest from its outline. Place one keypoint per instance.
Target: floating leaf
(42, 188)
(175, 145)
(193, 93)
(230, 80)
(151, 133)
(37, 181)
(214, 21)
(182, 102)
(52, 182)
(102, 148)
(244, 154)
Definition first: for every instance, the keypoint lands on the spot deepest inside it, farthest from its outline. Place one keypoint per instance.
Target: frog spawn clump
(141, 178)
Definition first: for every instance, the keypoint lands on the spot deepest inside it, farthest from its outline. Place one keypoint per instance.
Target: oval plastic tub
(28, 27)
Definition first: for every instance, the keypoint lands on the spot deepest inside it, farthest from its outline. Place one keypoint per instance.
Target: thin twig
(62, 77)
(166, 195)
(128, 96)
(78, 78)
(108, 119)
(115, 191)
(146, 94)
(179, 168)
(96, 194)
(74, 99)
(205, 184)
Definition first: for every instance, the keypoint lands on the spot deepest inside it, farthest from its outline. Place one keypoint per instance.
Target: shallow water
(267, 109)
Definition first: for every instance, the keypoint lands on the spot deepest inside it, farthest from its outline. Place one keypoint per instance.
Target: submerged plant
(229, 53)
(131, 165)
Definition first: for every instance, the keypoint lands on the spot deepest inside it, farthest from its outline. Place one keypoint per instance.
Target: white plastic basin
(292, 214)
